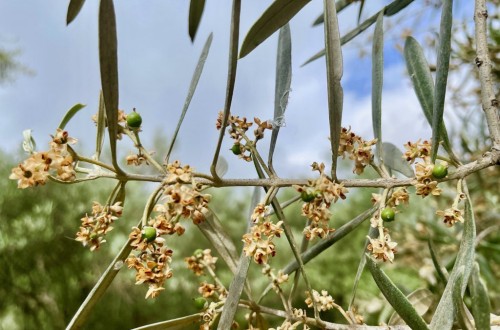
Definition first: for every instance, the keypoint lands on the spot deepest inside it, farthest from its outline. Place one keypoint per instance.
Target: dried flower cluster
(453, 214)
(382, 248)
(200, 260)
(122, 119)
(324, 301)
(152, 263)
(57, 161)
(424, 182)
(324, 193)
(258, 243)
(356, 148)
(276, 280)
(95, 227)
(237, 129)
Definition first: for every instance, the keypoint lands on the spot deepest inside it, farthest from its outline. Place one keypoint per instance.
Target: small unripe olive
(439, 171)
(307, 196)
(236, 149)
(198, 253)
(200, 303)
(134, 120)
(388, 214)
(149, 233)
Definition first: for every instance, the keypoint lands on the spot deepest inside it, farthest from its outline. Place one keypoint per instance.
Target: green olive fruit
(198, 253)
(236, 149)
(149, 233)
(307, 196)
(439, 171)
(134, 120)
(388, 214)
(200, 303)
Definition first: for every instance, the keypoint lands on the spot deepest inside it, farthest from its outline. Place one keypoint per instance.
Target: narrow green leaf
(440, 270)
(231, 78)
(395, 297)
(175, 324)
(334, 72)
(421, 300)
(196, 8)
(71, 112)
(108, 60)
(389, 10)
(282, 86)
(100, 288)
(101, 126)
(339, 5)
(73, 10)
(393, 158)
(372, 232)
(423, 84)
(460, 312)
(361, 6)
(443, 316)
(443, 64)
(240, 278)
(377, 81)
(480, 300)
(274, 17)
(213, 230)
(192, 89)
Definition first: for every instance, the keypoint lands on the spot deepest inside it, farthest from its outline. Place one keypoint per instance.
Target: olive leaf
(282, 85)
(101, 126)
(339, 5)
(71, 112)
(334, 72)
(423, 84)
(192, 89)
(108, 60)
(443, 316)
(377, 81)
(440, 270)
(393, 158)
(442, 68)
(421, 300)
(480, 300)
(395, 297)
(175, 324)
(74, 8)
(389, 10)
(196, 8)
(29, 143)
(274, 17)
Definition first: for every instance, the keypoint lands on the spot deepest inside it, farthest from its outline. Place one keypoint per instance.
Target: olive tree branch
(488, 100)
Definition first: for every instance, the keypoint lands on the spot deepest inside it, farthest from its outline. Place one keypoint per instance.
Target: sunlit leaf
(73, 10)
(282, 86)
(420, 299)
(274, 17)
(395, 297)
(334, 72)
(71, 112)
(192, 89)
(443, 63)
(196, 8)
(461, 314)
(377, 81)
(108, 59)
(480, 300)
(222, 167)
(443, 316)
(393, 158)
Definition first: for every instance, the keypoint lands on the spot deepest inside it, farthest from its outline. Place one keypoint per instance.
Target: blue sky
(156, 62)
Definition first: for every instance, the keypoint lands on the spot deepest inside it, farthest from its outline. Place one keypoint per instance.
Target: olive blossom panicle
(57, 161)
